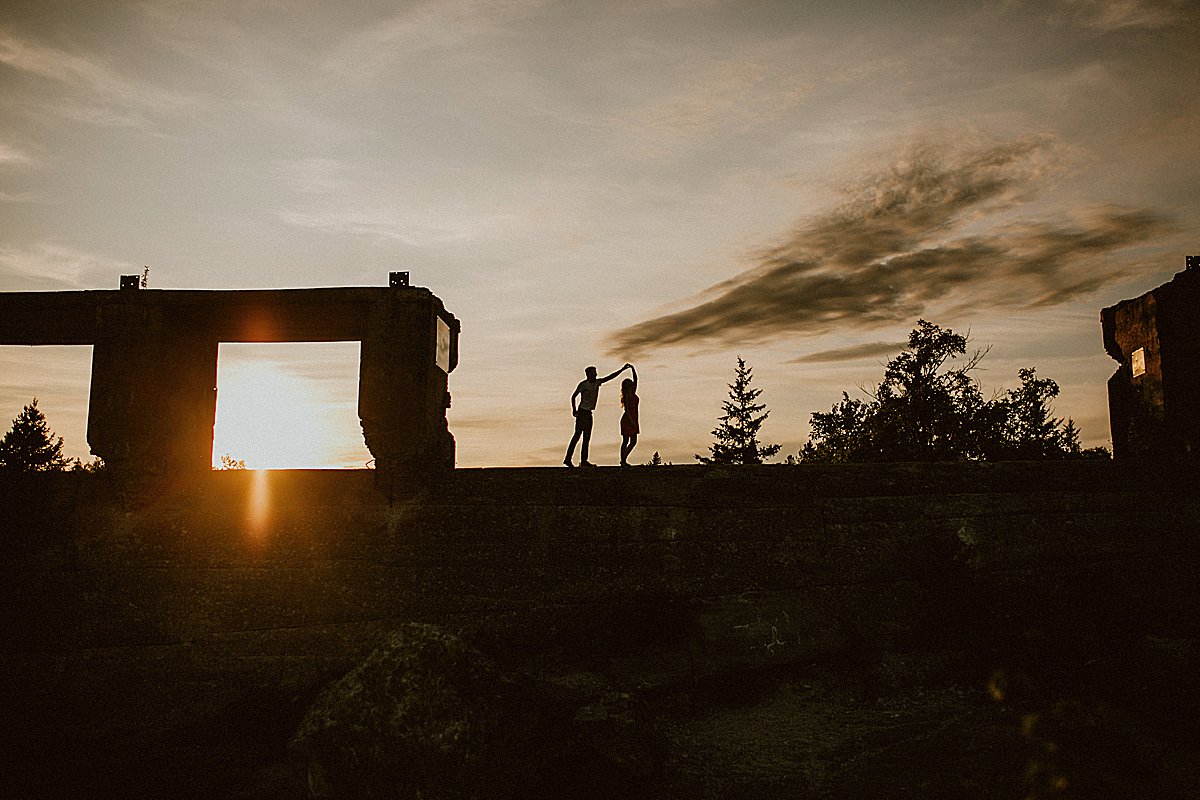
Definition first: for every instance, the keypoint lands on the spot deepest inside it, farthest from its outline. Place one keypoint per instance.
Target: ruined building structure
(1154, 396)
(154, 363)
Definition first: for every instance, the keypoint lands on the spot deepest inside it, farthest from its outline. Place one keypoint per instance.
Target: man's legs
(571, 446)
(583, 427)
(585, 420)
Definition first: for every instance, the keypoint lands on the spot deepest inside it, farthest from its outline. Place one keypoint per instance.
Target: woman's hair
(627, 387)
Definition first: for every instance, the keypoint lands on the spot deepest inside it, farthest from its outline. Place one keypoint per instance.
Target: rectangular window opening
(60, 377)
(289, 405)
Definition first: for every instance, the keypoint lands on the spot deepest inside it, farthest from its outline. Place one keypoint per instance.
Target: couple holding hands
(588, 391)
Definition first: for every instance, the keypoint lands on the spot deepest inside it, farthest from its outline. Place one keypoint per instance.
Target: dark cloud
(929, 231)
(852, 353)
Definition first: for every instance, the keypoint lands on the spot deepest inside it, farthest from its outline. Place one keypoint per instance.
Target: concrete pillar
(153, 391)
(403, 385)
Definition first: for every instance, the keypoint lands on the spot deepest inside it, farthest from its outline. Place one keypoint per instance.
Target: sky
(673, 183)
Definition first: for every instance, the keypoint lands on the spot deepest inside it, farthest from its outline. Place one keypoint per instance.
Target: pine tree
(30, 446)
(737, 434)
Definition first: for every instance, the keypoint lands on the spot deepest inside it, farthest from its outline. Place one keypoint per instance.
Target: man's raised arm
(608, 378)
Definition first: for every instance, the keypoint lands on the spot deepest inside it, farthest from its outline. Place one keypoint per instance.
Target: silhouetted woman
(629, 420)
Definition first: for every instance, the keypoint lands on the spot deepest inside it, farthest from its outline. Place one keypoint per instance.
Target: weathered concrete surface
(1155, 414)
(154, 365)
(131, 625)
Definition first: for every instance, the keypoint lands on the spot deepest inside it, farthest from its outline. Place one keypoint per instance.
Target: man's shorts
(583, 421)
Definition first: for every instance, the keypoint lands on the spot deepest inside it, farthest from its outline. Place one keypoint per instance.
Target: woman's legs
(627, 445)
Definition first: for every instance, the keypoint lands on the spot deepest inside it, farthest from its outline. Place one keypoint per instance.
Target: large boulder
(429, 716)
(424, 716)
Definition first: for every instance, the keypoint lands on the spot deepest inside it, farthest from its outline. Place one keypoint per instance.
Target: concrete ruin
(153, 396)
(1154, 396)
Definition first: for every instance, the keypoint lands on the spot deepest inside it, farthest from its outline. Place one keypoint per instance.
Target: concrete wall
(130, 616)
(1155, 415)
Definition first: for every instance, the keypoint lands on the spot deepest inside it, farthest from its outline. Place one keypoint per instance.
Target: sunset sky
(669, 183)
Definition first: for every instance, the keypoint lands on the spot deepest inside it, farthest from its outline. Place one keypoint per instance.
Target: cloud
(44, 266)
(852, 353)
(930, 231)
(1107, 16)
(107, 97)
(420, 28)
(313, 175)
(508, 420)
(14, 156)
(325, 364)
(733, 94)
(394, 223)
(343, 199)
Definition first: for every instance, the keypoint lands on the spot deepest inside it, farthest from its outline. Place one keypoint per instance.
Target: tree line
(928, 407)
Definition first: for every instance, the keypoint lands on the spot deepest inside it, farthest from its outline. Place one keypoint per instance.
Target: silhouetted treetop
(736, 437)
(30, 445)
(929, 407)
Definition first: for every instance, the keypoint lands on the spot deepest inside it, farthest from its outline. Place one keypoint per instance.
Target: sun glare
(288, 407)
(258, 510)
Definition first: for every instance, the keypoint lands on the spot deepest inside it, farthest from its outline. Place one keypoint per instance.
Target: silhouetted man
(588, 391)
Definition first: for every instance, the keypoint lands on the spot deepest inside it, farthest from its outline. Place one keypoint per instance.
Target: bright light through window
(289, 406)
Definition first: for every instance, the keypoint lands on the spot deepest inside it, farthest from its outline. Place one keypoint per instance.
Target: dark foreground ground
(902, 632)
(906, 727)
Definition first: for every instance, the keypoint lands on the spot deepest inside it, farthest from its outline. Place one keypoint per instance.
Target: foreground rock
(420, 717)
(426, 715)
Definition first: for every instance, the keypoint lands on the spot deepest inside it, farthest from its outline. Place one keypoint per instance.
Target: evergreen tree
(30, 445)
(737, 434)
